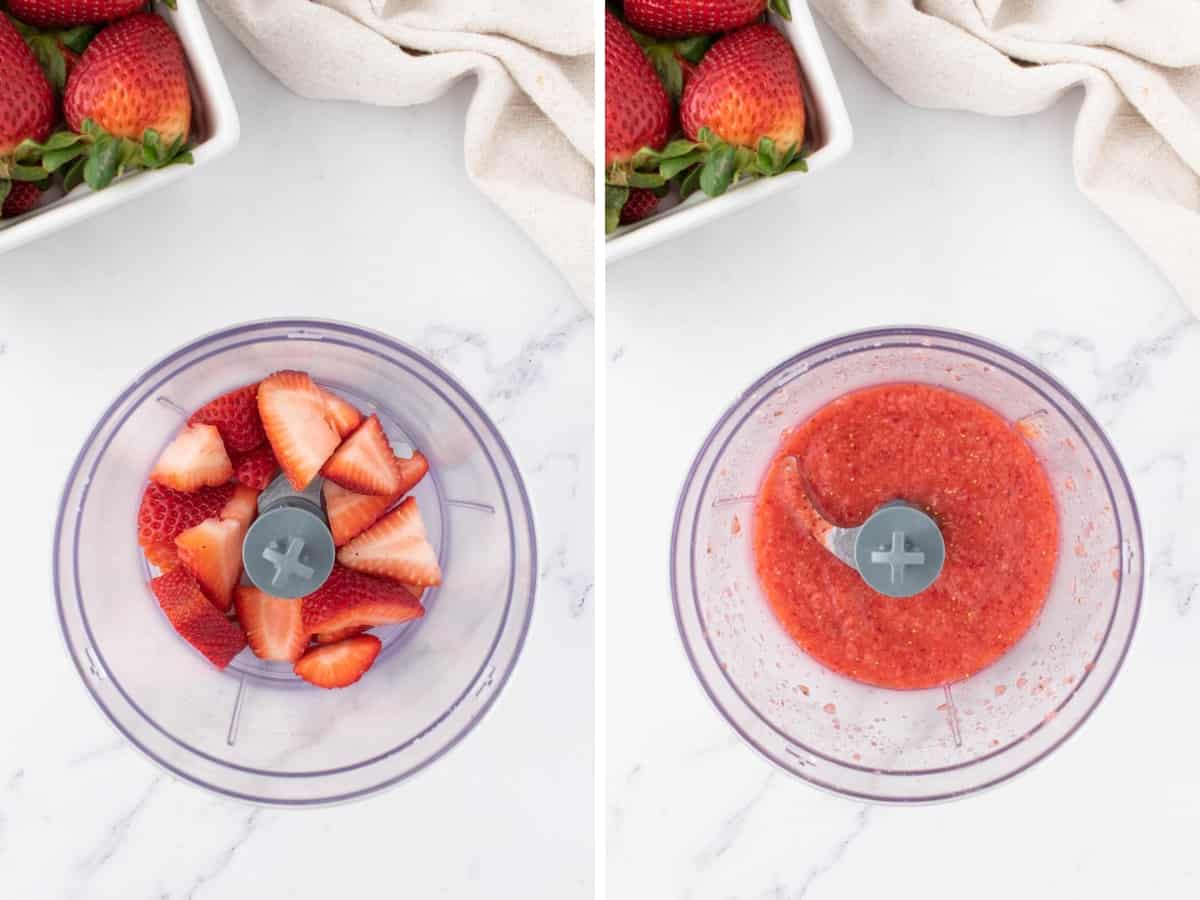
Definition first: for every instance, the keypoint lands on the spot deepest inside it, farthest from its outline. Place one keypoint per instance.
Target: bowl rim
(489, 673)
(920, 336)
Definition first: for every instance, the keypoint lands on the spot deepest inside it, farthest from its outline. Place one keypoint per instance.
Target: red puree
(973, 473)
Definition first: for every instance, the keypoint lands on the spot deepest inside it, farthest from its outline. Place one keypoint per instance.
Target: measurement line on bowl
(171, 405)
(952, 716)
(488, 677)
(235, 720)
(802, 759)
(725, 501)
(471, 504)
(94, 665)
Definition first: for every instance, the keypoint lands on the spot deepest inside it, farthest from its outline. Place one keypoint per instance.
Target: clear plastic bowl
(907, 746)
(255, 731)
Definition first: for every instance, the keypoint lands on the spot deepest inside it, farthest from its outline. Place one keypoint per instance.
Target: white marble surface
(294, 223)
(938, 218)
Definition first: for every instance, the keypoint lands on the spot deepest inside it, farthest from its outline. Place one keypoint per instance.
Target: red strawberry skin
(274, 626)
(298, 425)
(747, 87)
(22, 197)
(350, 599)
(339, 665)
(195, 619)
(683, 18)
(68, 13)
(132, 77)
(640, 204)
(256, 469)
(235, 416)
(27, 108)
(165, 513)
(637, 111)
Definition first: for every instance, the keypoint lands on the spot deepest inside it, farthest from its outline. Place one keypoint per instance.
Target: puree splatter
(973, 473)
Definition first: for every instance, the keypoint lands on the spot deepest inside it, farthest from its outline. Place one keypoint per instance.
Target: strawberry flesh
(344, 416)
(164, 512)
(332, 637)
(351, 514)
(195, 459)
(274, 626)
(395, 547)
(195, 619)
(235, 416)
(350, 599)
(341, 664)
(212, 553)
(365, 463)
(297, 422)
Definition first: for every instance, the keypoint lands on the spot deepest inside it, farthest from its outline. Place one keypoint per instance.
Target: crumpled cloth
(530, 125)
(1137, 137)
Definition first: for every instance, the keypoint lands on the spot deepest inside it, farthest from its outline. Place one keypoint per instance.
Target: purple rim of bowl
(919, 338)
(397, 353)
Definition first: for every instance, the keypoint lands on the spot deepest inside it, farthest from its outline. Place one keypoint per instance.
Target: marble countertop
(288, 225)
(937, 218)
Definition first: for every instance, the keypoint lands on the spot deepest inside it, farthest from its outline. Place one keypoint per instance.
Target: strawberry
(165, 513)
(332, 637)
(195, 459)
(744, 109)
(351, 514)
(274, 626)
(339, 665)
(298, 425)
(350, 599)
(235, 416)
(127, 105)
(365, 463)
(395, 547)
(27, 113)
(257, 468)
(162, 555)
(195, 619)
(681, 18)
(641, 203)
(344, 416)
(67, 13)
(212, 553)
(242, 506)
(22, 197)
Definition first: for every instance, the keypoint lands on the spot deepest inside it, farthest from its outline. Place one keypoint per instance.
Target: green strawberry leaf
(91, 129)
(26, 173)
(615, 199)
(183, 159)
(49, 56)
(78, 38)
(60, 140)
(767, 160)
(799, 165)
(646, 180)
(716, 175)
(102, 163)
(670, 73)
(783, 8)
(693, 49)
(53, 160)
(672, 167)
(74, 175)
(690, 183)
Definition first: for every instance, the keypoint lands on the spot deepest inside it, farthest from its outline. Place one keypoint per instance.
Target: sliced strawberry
(212, 553)
(257, 468)
(274, 626)
(242, 507)
(297, 423)
(350, 599)
(365, 463)
(341, 664)
(197, 621)
(395, 547)
(164, 513)
(195, 459)
(351, 514)
(332, 637)
(162, 555)
(235, 416)
(344, 416)
(411, 470)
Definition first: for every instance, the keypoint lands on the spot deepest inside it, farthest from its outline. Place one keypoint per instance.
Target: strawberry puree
(968, 469)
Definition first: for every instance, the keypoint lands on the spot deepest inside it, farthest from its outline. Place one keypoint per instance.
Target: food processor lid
(288, 552)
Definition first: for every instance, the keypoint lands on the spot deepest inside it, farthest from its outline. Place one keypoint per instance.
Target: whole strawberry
(641, 203)
(745, 108)
(680, 18)
(26, 109)
(22, 197)
(68, 13)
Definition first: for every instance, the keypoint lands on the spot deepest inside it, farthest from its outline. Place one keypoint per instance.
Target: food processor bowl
(917, 745)
(256, 731)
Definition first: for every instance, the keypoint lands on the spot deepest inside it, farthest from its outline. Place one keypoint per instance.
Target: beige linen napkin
(529, 129)
(1137, 138)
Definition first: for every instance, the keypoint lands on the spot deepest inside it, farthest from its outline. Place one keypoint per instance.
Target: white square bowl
(215, 131)
(830, 137)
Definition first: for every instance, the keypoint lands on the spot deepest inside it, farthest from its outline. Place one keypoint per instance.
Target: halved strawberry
(242, 507)
(257, 468)
(197, 621)
(332, 637)
(164, 513)
(395, 547)
(351, 514)
(162, 555)
(298, 425)
(343, 414)
(195, 459)
(274, 626)
(212, 553)
(365, 463)
(350, 599)
(341, 664)
(235, 416)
